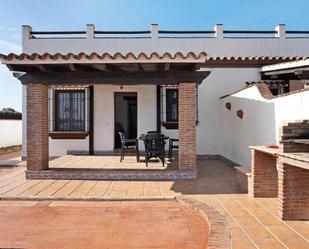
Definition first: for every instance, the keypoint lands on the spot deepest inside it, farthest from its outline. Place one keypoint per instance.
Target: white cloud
(9, 47)
(10, 87)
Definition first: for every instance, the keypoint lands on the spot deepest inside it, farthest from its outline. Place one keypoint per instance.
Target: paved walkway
(159, 224)
(254, 222)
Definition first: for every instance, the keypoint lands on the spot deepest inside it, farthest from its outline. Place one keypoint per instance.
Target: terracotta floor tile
(283, 232)
(152, 189)
(136, 188)
(301, 227)
(269, 243)
(115, 225)
(37, 188)
(242, 244)
(99, 189)
(52, 188)
(215, 186)
(120, 188)
(296, 243)
(257, 232)
(67, 189)
(12, 185)
(21, 188)
(83, 189)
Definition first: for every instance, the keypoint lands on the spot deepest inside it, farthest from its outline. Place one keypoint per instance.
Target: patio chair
(151, 132)
(154, 147)
(173, 144)
(128, 143)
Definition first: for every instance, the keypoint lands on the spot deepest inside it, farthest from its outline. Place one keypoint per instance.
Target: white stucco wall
(10, 132)
(104, 112)
(214, 46)
(261, 121)
(104, 119)
(214, 127)
(220, 82)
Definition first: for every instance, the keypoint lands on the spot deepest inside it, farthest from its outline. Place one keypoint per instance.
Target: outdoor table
(142, 137)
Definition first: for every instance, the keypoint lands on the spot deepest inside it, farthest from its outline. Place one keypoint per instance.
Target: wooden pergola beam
(72, 68)
(115, 77)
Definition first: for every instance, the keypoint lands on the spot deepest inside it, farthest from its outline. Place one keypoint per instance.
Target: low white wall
(59, 147)
(256, 128)
(220, 82)
(261, 121)
(10, 132)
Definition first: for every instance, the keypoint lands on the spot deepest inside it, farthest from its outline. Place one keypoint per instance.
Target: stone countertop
(267, 149)
(302, 157)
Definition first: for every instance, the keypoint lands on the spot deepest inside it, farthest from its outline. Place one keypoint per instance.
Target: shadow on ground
(214, 177)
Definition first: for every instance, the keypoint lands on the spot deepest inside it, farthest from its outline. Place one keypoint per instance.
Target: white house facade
(231, 59)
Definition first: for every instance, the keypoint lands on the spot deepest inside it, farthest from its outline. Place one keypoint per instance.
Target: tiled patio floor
(113, 225)
(109, 162)
(254, 222)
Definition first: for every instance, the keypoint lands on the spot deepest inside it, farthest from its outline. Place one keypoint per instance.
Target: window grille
(69, 110)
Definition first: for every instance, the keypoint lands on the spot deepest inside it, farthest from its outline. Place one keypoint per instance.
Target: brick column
(293, 192)
(37, 127)
(264, 175)
(187, 126)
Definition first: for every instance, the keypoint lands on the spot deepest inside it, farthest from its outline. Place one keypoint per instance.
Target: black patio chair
(173, 144)
(154, 147)
(128, 143)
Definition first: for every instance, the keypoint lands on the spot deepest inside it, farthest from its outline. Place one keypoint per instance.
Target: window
(70, 110)
(171, 105)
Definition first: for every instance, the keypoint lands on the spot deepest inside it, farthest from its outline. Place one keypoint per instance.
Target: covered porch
(111, 74)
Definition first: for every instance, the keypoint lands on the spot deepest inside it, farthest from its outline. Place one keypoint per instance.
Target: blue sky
(136, 14)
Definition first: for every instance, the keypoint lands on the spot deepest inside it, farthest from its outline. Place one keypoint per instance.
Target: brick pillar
(37, 127)
(187, 126)
(293, 192)
(264, 175)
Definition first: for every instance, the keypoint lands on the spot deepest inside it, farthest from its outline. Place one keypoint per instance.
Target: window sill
(173, 125)
(68, 134)
(170, 125)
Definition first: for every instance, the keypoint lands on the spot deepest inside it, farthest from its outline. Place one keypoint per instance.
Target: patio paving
(108, 162)
(160, 224)
(254, 222)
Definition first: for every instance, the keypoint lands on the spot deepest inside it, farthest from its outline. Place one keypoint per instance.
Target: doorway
(125, 116)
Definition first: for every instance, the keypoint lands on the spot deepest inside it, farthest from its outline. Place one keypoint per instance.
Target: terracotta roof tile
(90, 56)
(255, 58)
(153, 55)
(265, 91)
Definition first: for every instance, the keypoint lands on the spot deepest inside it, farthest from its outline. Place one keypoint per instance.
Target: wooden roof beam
(100, 67)
(72, 68)
(167, 66)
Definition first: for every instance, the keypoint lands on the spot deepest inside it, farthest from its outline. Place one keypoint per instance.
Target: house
(81, 87)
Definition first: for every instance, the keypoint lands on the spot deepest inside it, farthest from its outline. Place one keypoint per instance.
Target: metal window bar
(172, 105)
(69, 110)
(163, 99)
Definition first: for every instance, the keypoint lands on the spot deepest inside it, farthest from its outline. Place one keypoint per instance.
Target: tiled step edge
(219, 231)
(111, 174)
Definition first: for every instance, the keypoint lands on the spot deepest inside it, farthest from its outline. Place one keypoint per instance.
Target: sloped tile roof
(130, 55)
(144, 56)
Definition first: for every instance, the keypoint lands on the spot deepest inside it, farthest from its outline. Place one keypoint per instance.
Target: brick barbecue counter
(282, 175)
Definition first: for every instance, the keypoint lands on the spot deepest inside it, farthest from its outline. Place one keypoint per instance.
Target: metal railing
(218, 32)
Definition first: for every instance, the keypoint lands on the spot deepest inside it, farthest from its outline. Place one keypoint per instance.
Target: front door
(125, 116)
